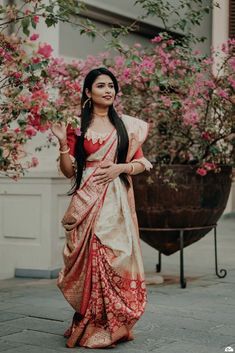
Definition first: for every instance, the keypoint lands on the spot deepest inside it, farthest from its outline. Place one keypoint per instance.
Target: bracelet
(132, 168)
(63, 152)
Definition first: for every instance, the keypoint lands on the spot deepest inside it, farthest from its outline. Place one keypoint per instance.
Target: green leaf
(25, 25)
(51, 20)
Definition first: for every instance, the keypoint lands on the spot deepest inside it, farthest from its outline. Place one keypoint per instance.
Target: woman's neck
(102, 113)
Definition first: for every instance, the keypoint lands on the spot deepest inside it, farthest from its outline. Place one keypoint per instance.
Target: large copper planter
(199, 201)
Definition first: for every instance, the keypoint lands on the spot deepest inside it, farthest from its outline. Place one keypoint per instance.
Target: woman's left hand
(107, 172)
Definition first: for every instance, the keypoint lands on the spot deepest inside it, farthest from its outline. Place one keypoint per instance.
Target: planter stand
(221, 273)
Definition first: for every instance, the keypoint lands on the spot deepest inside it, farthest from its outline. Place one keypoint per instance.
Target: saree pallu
(103, 275)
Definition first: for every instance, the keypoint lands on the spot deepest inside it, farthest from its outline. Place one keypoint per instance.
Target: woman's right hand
(59, 130)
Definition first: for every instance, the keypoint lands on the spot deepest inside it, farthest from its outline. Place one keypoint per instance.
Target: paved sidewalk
(197, 319)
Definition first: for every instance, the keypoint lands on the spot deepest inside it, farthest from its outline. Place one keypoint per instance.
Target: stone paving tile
(7, 316)
(187, 347)
(41, 325)
(45, 311)
(6, 329)
(4, 346)
(34, 338)
(31, 349)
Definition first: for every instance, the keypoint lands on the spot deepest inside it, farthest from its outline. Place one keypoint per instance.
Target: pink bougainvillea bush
(189, 101)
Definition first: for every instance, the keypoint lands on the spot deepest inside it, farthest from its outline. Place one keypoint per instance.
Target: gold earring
(88, 100)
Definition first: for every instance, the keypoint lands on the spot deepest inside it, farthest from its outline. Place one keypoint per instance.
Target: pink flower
(209, 166)
(34, 36)
(232, 63)
(127, 72)
(206, 136)
(232, 82)
(8, 57)
(36, 60)
(208, 61)
(222, 93)
(35, 19)
(201, 171)
(157, 39)
(45, 50)
(191, 118)
(166, 101)
(17, 130)
(197, 52)
(119, 60)
(170, 41)
(224, 48)
(17, 74)
(30, 131)
(210, 84)
(39, 95)
(34, 162)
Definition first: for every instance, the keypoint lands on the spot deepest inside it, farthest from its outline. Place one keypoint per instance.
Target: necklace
(101, 115)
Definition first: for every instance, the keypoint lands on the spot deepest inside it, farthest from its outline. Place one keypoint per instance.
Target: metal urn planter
(170, 219)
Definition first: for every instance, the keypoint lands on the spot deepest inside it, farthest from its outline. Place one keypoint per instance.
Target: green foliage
(180, 16)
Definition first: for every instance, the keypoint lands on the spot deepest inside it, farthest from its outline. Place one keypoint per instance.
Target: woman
(103, 277)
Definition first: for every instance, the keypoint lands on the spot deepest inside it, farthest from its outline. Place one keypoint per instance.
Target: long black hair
(86, 116)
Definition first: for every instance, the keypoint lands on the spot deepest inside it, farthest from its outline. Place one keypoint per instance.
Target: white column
(220, 24)
(220, 18)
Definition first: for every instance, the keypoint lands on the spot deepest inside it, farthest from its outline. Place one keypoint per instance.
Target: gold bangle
(132, 168)
(63, 152)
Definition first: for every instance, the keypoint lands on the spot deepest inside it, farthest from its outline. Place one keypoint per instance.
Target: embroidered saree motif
(103, 275)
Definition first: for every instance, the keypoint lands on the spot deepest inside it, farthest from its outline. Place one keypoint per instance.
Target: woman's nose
(108, 90)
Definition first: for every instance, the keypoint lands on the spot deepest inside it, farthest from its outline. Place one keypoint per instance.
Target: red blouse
(89, 146)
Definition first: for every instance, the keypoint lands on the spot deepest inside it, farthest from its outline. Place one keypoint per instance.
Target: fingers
(106, 164)
(102, 180)
(99, 173)
(60, 124)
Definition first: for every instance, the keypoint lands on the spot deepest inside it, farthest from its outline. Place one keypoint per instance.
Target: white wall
(31, 235)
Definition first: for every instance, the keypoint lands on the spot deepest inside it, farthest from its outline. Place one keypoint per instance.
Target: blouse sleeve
(138, 154)
(71, 139)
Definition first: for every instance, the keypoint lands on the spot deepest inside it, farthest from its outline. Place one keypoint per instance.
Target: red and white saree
(103, 276)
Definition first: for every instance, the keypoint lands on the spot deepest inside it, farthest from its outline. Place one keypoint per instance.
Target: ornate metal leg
(222, 271)
(159, 265)
(182, 280)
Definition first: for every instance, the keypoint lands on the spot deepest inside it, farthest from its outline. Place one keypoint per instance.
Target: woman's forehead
(103, 79)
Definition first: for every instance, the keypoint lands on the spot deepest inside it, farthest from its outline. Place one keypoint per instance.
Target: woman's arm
(108, 171)
(132, 168)
(66, 164)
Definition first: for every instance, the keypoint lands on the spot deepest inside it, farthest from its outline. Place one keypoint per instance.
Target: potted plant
(189, 102)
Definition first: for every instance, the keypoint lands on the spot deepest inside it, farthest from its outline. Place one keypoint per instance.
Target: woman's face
(102, 91)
